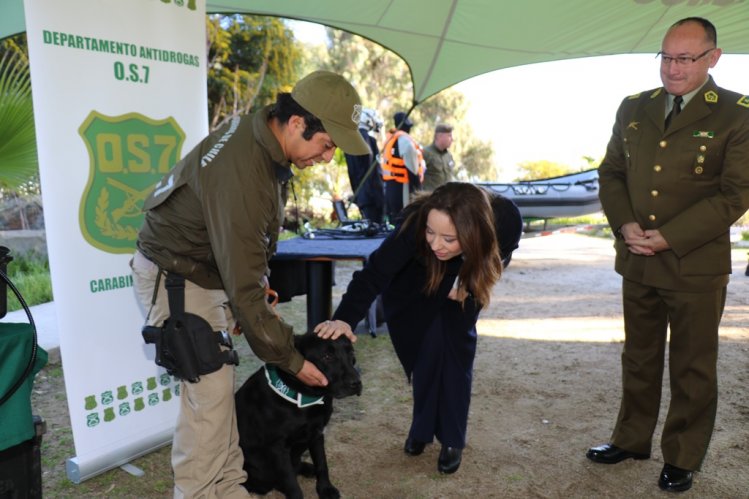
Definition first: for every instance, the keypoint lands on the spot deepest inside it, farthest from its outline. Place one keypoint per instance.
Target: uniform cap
(400, 117)
(335, 102)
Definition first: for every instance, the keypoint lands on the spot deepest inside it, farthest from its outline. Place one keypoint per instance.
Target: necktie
(676, 109)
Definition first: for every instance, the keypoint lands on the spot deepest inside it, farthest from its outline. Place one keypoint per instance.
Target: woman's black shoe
(449, 460)
(413, 447)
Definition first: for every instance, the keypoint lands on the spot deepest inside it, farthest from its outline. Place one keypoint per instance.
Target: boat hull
(557, 197)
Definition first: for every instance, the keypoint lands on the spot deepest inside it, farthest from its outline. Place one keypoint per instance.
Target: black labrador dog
(279, 418)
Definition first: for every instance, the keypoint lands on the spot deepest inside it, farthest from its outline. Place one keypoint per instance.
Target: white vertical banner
(119, 91)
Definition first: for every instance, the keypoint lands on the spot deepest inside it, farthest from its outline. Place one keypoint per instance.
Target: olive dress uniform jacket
(214, 219)
(691, 183)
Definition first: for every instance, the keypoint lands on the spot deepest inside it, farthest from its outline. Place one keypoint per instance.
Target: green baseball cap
(332, 99)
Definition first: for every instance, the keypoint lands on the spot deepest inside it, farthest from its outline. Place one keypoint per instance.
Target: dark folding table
(305, 266)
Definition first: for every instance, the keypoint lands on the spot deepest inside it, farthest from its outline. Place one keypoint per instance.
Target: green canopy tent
(448, 41)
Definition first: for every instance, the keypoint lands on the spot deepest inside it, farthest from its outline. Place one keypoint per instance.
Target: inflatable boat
(565, 196)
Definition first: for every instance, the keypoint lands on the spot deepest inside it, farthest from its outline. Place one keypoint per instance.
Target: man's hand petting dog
(310, 375)
(331, 330)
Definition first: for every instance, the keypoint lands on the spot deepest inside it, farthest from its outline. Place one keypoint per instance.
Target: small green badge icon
(90, 402)
(92, 419)
(109, 414)
(153, 399)
(165, 379)
(124, 408)
(137, 388)
(167, 394)
(121, 392)
(139, 405)
(151, 383)
(107, 398)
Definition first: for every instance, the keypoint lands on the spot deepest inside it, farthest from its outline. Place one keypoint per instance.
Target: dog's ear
(303, 341)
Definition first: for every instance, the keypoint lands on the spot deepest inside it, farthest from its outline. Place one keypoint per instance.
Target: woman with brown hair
(435, 272)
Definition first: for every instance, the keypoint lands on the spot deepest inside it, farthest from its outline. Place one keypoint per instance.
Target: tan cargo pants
(206, 457)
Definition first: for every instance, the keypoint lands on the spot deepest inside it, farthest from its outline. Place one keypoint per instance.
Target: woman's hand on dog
(310, 375)
(331, 330)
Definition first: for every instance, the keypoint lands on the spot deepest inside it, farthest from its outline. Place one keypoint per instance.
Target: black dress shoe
(611, 454)
(413, 447)
(449, 460)
(675, 479)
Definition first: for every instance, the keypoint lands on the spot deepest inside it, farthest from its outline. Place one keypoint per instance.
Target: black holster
(186, 345)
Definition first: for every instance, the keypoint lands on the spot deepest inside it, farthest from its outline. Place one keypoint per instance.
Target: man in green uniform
(674, 179)
(439, 161)
(214, 220)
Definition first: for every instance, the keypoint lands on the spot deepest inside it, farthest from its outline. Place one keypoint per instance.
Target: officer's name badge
(703, 134)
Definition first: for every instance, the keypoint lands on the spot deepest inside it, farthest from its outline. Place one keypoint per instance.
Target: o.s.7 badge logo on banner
(128, 155)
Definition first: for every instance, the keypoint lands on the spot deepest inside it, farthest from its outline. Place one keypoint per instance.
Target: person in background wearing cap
(670, 190)
(214, 219)
(440, 165)
(402, 166)
(369, 194)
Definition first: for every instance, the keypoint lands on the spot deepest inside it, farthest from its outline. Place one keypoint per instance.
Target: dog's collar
(283, 390)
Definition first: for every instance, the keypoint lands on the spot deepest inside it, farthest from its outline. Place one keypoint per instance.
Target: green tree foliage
(18, 159)
(531, 170)
(383, 81)
(250, 60)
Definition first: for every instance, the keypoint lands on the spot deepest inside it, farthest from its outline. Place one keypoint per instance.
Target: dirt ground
(546, 387)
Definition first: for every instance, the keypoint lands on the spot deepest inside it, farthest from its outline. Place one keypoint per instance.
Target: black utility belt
(186, 345)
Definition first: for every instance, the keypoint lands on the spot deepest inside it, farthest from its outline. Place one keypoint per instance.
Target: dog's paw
(328, 492)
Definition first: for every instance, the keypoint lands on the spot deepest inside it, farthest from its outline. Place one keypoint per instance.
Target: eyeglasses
(682, 60)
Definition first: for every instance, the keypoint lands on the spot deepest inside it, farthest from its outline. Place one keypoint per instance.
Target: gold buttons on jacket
(654, 193)
(651, 218)
(663, 144)
(657, 168)
(699, 170)
(700, 159)
(703, 148)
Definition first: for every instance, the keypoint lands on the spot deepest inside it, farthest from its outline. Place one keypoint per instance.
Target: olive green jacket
(440, 168)
(215, 219)
(690, 182)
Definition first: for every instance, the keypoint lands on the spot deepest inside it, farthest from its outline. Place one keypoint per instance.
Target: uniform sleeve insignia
(633, 125)
(711, 97)
(743, 101)
(656, 93)
(634, 96)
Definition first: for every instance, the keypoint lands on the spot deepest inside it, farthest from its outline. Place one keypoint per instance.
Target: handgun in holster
(186, 345)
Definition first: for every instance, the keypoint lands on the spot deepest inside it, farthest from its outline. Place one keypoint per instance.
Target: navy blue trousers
(442, 379)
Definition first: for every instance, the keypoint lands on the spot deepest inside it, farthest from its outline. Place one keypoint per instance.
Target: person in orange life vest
(402, 166)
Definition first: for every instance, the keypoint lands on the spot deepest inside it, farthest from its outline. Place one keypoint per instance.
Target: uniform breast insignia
(633, 125)
(744, 101)
(703, 134)
(711, 97)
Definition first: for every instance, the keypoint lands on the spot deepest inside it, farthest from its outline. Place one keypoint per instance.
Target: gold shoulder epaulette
(634, 96)
(656, 93)
(743, 101)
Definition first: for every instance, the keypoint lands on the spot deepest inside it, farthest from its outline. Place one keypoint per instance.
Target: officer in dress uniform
(670, 192)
